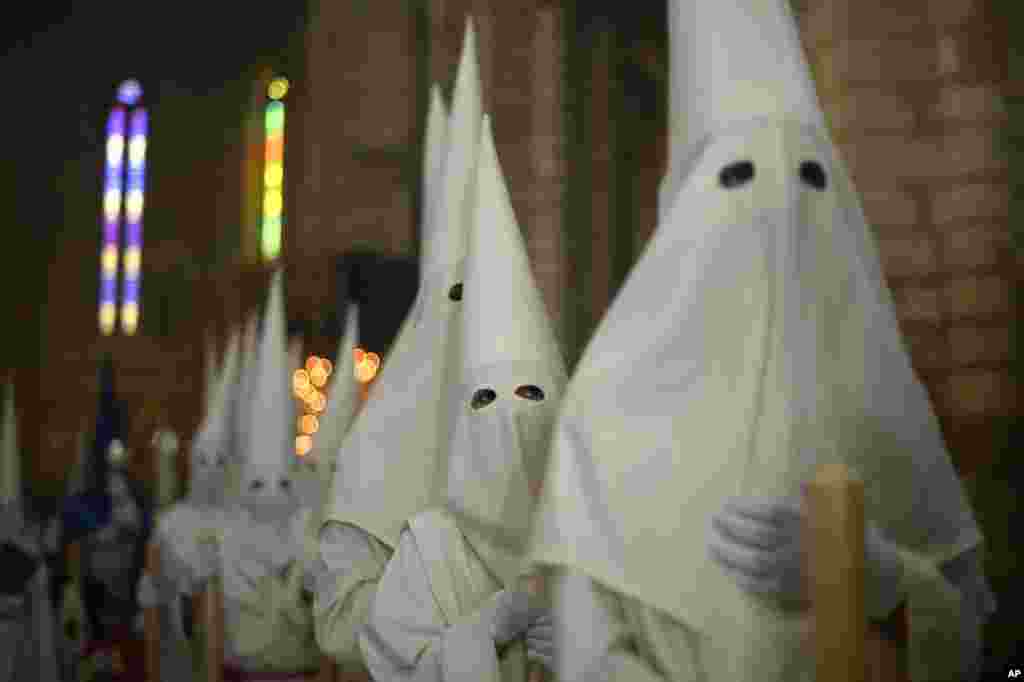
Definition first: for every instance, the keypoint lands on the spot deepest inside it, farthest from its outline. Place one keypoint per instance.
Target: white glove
(510, 614)
(540, 642)
(760, 542)
(148, 596)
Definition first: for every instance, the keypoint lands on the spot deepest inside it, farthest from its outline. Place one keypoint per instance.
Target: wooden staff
(211, 606)
(835, 520)
(328, 671)
(151, 617)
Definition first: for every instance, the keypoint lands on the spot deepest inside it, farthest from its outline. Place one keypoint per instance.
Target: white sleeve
(406, 637)
(976, 606)
(583, 630)
(342, 547)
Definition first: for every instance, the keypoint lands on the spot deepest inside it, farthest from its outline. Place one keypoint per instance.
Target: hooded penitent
(211, 454)
(509, 383)
(391, 466)
(267, 445)
(754, 340)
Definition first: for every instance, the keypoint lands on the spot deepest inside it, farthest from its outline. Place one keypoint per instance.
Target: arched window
(124, 187)
(273, 170)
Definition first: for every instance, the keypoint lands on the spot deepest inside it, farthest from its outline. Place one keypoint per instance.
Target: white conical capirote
(506, 319)
(215, 435)
(268, 444)
(444, 246)
(403, 426)
(10, 458)
(731, 62)
(211, 370)
(247, 359)
(343, 402)
(434, 150)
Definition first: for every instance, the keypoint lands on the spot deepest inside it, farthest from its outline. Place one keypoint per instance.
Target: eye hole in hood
(530, 392)
(736, 174)
(483, 397)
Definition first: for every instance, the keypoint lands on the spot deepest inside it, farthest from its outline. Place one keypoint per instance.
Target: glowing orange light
(303, 444)
(311, 362)
(328, 367)
(318, 376)
(358, 354)
(319, 402)
(300, 380)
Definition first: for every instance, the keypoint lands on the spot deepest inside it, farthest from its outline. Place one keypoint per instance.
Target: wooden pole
(212, 611)
(151, 617)
(328, 671)
(835, 520)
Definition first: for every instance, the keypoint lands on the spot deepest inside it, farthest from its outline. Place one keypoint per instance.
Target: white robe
(604, 635)
(425, 621)
(345, 577)
(268, 619)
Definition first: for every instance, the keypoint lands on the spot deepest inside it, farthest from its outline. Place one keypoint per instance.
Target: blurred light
(328, 367)
(271, 239)
(115, 150)
(129, 92)
(318, 376)
(272, 203)
(112, 203)
(129, 318)
(358, 354)
(319, 402)
(273, 176)
(366, 368)
(107, 315)
(303, 444)
(300, 380)
(108, 261)
(137, 150)
(132, 261)
(311, 363)
(273, 117)
(278, 88)
(133, 205)
(309, 424)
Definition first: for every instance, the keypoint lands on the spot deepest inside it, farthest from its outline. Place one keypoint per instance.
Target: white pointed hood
(509, 384)
(10, 457)
(754, 340)
(211, 452)
(267, 447)
(730, 62)
(435, 150)
(392, 464)
(247, 364)
(211, 370)
(342, 404)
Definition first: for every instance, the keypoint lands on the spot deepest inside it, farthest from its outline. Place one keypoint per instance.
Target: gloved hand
(540, 641)
(510, 614)
(760, 542)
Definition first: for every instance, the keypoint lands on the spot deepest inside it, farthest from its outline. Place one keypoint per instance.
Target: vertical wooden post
(328, 671)
(212, 613)
(151, 617)
(835, 519)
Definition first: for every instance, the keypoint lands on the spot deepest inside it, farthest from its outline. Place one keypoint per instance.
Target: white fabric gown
(425, 621)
